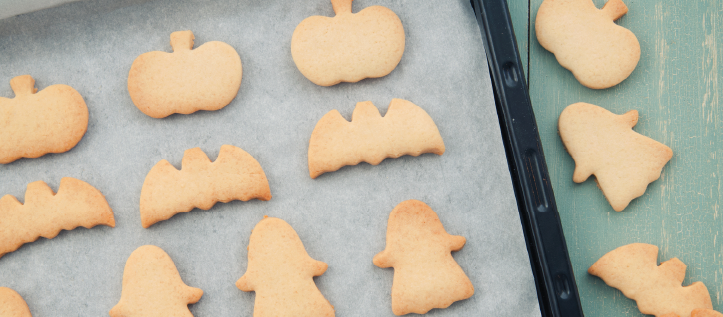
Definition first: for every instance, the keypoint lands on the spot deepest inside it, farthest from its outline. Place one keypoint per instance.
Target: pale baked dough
(187, 80)
(587, 42)
(36, 123)
(282, 273)
(152, 287)
(604, 144)
(12, 304)
(658, 290)
(420, 250)
(348, 47)
(406, 129)
(44, 213)
(699, 313)
(235, 175)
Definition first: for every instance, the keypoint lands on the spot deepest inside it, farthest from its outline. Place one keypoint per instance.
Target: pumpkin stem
(341, 6)
(23, 85)
(182, 40)
(615, 9)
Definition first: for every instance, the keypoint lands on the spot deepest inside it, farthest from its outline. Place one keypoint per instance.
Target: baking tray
(556, 287)
(515, 254)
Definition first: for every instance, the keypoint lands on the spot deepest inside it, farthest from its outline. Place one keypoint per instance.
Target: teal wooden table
(676, 89)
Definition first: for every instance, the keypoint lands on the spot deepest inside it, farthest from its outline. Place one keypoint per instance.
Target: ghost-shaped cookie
(281, 273)
(420, 250)
(604, 144)
(152, 287)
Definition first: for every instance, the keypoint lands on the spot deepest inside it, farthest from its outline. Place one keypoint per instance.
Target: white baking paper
(10, 8)
(341, 217)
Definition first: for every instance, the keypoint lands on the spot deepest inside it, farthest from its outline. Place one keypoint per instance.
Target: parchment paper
(10, 8)
(341, 217)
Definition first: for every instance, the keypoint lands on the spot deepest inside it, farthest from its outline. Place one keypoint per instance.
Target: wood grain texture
(675, 88)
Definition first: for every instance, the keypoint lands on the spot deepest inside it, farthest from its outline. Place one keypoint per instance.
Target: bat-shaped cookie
(45, 213)
(152, 287)
(420, 250)
(282, 273)
(658, 290)
(349, 46)
(187, 80)
(12, 304)
(587, 42)
(406, 129)
(235, 175)
(36, 123)
(604, 144)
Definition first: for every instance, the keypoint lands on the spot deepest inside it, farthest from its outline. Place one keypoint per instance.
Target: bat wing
(44, 214)
(200, 183)
(406, 129)
(657, 289)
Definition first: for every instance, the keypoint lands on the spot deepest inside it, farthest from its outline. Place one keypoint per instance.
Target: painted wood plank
(520, 13)
(675, 88)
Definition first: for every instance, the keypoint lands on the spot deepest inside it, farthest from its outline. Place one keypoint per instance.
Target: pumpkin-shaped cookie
(36, 123)
(187, 80)
(586, 41)
(348, 47)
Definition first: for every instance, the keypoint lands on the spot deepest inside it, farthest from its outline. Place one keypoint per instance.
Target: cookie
(152, 287)
(187, 80)
(420, 251)
(699, 313)
(604, 144)
(657, 289)
(37, 123)
(406, 129)
(44, 214)
(281, 273)
(705, 313)
(235, 175)
(12, 304)
(586, 41)
(348, 47)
